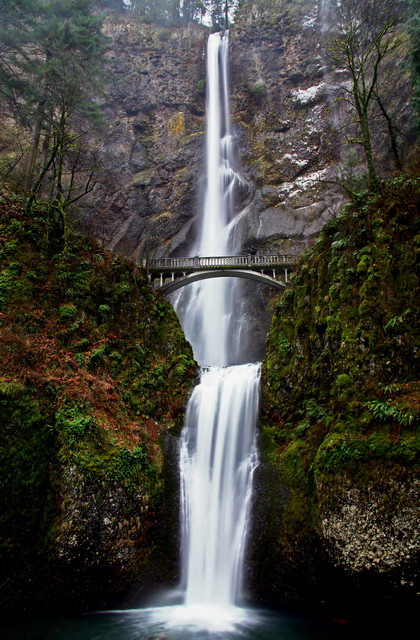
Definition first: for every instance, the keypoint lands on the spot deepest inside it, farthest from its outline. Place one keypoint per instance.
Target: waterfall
(217, 459)
(209, 310)
(218, 453)
(324, 11)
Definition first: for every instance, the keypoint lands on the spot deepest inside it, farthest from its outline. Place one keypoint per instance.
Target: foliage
(343, 380)
(130, 463)
(72, 422)
(284, 346)
(345, 393)
(385, 411)
(201, 86)
(67, 311)
(52, 76)
(94, 368)
(258, 90)
(162, 11)
(218, 13)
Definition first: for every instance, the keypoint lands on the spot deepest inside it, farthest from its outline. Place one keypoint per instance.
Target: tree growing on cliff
(17, 28)
(191, 10)
(50, 65)
(221, 13)
(172, 11)
(367, 37)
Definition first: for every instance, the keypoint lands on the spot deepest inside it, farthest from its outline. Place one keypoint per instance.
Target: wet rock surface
(339, 486)
(152, 146)
(288, 128)
(363, 525)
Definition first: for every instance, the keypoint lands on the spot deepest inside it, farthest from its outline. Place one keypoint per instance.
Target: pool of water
(174, 623)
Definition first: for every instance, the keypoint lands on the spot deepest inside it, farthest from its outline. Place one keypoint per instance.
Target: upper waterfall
(221, 177)
(209, 309)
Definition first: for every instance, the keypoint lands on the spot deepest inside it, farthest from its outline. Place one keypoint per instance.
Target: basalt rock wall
(152, 145)
(290, 138)
(337, 491)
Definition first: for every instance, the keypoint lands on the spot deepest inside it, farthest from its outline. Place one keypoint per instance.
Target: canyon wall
(289, 131)
(337, 491)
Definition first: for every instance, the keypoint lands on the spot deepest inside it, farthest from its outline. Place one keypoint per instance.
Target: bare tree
(367, 36)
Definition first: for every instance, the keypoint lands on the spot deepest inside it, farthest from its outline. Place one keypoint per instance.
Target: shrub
(67, 311)
(258, 90)
(73, 422)
(201, 86)
(104, 309)
(343, 380)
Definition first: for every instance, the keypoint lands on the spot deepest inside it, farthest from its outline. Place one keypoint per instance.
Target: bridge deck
(219, 262)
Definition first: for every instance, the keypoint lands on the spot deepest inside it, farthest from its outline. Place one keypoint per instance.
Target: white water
(324, 9)
(209, 309)
(218, 452)
(217, 460)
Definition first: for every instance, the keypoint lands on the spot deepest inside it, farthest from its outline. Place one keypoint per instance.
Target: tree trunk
(33, 154)
(41, 176)
(361, 104)
(367, 145)
(392, 133)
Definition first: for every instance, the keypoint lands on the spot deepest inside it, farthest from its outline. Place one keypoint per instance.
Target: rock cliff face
(338, 485)
(95, 373)
(152, 148)
(288, 128)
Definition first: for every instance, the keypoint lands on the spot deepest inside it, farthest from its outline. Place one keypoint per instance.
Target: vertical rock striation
(288, 125)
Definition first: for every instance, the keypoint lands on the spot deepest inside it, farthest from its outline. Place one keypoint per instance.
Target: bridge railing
(200, 262)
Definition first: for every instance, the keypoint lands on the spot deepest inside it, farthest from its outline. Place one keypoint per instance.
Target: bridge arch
(170, 287)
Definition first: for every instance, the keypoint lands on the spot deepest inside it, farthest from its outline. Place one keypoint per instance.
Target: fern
(393, 323)
(384, 411)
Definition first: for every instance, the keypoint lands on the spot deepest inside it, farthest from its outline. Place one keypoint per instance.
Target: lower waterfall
(217, 460)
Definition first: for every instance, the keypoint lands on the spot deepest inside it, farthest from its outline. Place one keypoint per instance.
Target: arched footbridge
(170, 274)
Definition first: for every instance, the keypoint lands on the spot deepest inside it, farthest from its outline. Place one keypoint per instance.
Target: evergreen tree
(192, 10)
(218, 12)
(18, 21)
(51, 73)
(111, 5)
(158, 11)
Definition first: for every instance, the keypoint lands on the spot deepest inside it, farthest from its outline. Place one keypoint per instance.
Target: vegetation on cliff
(341, 398)
(93, 369)
(52, 74)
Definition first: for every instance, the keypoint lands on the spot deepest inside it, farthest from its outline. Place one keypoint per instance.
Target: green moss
(343, 380)
(339, 379)
(67, 311)
(341, 451)
(201, 86)
(94, 369)
(73, 422)
(258, 90)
